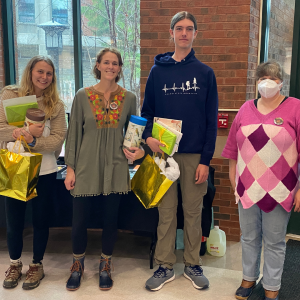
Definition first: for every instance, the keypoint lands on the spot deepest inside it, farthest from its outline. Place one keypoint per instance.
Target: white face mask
(269, 88)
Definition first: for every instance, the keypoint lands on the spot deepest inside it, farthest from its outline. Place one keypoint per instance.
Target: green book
(165, 136)
(17, 113)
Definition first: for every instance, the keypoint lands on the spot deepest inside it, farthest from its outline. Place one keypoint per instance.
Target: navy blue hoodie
(186, 91)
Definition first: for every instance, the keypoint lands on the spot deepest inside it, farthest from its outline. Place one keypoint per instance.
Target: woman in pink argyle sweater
(263, 150)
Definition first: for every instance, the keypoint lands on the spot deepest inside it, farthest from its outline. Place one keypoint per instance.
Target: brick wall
(227, 41)
(2, 80)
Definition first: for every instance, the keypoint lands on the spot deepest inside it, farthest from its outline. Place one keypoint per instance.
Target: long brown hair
(26, 87)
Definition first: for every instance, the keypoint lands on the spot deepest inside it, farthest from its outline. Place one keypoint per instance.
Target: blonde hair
(97, 73)
(26, 87)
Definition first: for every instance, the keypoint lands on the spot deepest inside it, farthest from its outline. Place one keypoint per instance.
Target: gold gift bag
(148, 184)
(19, 174)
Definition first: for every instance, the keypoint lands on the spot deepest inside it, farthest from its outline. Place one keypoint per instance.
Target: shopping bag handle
(20, 139)
(162, 156)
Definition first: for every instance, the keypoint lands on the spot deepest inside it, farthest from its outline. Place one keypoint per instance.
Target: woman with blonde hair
(38, 79)
(97, 165)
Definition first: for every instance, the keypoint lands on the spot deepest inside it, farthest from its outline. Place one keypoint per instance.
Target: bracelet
(32, 144)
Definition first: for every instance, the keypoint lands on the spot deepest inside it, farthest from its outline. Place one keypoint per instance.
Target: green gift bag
(165, 136)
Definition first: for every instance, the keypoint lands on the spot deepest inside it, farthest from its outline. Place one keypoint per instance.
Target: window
(46, 37)
(60, 11)
(113, 23)
(26, 11)
(281, 38)
(277, 36)
(50, 32)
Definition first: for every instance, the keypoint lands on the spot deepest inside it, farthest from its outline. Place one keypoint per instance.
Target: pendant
(278, 121)
(114, 105)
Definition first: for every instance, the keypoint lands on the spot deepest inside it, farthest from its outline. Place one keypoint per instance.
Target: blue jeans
(258, 226)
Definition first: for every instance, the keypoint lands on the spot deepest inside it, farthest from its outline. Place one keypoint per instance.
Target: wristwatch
(32, 144)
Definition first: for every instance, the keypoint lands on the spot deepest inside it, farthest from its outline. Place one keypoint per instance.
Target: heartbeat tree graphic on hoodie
(183, 88)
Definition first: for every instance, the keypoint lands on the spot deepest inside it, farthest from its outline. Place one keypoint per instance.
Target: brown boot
(12, 276)
(33, 276)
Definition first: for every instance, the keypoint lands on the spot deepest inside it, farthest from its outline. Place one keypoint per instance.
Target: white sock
(16, 262)
(78, 256)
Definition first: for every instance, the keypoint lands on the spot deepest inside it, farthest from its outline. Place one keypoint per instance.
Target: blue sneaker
(195, 275)
(161, 276)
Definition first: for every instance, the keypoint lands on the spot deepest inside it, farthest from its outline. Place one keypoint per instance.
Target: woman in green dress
(97, 165)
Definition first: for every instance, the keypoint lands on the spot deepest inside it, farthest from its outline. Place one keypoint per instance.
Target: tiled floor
(131, 270)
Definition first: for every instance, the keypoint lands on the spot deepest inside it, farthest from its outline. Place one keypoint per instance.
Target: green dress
(94, 142)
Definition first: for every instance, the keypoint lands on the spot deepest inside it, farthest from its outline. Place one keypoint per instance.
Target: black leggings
(81, 212)
(41, 212)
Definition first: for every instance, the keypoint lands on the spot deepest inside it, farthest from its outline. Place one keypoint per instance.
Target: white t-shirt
(49, 164)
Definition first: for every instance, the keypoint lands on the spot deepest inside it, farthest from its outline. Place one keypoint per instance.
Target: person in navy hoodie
(181, 87)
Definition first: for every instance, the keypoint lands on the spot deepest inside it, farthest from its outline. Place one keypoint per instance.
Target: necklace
(113, 105)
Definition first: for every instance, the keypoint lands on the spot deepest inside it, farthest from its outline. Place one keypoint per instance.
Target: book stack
(168, 132)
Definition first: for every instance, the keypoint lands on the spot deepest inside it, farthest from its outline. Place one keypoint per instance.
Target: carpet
(290, 287)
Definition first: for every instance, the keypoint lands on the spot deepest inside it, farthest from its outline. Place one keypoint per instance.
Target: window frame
(265, 29)
(9, 43)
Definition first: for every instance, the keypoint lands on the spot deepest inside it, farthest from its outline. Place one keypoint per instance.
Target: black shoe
(77, 270)
(105, 281)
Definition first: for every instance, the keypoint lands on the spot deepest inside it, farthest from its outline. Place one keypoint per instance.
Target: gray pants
(258, 226)
(192, 202)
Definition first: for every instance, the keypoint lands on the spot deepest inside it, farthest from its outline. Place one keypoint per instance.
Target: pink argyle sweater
(267, 155)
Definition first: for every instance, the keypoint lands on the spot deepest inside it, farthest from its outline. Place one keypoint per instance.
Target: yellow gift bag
(19, 174)
(148, 184)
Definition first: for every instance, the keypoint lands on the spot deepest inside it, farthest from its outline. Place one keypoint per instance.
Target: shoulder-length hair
(97, 73)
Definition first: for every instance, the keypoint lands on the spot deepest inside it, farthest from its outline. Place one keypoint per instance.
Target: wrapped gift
(148, 184)
(16, 114)
(19, 174)
(165, 136)
(177, 133)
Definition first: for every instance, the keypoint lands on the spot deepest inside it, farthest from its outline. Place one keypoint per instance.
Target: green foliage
(122, 27)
